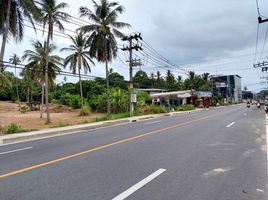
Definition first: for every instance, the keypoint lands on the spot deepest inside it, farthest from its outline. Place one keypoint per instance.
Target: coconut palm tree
(15, 60)
(4, 82)
(52, 14)
(36, 67)
(12, 16)
(103, 31)
(78, 58)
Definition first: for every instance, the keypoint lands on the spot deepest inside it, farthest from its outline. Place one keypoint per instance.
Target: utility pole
(132, 63)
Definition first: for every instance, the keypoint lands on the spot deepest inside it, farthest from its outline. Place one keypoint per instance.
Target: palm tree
(103, 45)
(79, 57)
(51, 15)
(36, 67)
(15, 60)
(4, 82)
(12, 16)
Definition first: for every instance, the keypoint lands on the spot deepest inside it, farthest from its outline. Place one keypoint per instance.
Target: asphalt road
(217, 154)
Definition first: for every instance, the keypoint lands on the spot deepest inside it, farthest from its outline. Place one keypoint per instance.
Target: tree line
(97, 40)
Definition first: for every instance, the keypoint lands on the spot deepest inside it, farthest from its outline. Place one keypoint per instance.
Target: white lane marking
(229, 125)
(139, 185)
(16, 150)
(245, 114)
(154, 122)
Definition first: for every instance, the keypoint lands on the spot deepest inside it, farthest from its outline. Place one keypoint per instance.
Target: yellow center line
(103, 147)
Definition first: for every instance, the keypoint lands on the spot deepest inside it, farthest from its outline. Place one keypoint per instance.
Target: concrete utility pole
(132, 63)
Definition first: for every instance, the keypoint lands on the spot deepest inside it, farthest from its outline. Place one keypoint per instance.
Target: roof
(151, 90)
(221, 75)
(172, 95)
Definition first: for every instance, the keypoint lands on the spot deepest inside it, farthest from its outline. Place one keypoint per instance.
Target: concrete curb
(18, 137)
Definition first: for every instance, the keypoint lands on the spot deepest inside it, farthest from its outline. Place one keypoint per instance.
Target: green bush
(23, 109)
(185, 107)
(151, 109)
(73, 101)
(85, 111)
(15, 128)
(224, 104)
(54, 101)
(12, 128)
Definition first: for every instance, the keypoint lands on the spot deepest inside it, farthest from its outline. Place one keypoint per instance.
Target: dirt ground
(9, 113)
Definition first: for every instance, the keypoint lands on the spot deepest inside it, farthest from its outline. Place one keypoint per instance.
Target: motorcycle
(248, 105)
(258, 105)
(266, 108)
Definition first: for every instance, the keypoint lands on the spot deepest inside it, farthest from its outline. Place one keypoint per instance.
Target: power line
(264, 43)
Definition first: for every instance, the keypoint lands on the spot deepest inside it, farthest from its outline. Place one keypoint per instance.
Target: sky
(214, 36)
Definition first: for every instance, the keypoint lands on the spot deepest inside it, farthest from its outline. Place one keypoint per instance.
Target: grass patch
(185, 108)
(84, 111)
(112, 117)
(224, 104)
(150, 109)
(60, 124)
(15, 128)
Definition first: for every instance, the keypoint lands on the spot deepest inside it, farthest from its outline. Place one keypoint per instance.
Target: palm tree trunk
(42, 101)
(81, 89)
(31, 88)
(5, 34)
(28, 94)
(107, 79)
(46, 89)
(16, 82)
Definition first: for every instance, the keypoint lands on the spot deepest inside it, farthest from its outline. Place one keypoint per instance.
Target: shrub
(85, 111)
(54, 101)
(23, 109)
(12, 128)
(73, 101)
(224, 104)
(15, 128)
(151, 109)
(185, 107)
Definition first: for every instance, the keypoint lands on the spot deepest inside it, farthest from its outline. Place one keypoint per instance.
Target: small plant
(24, 109)
(85, 111)
(12, 128)
(15, 128)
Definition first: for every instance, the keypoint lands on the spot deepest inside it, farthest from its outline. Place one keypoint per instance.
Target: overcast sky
(215, 36)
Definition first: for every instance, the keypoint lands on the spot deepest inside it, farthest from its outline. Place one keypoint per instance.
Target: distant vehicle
(258, 105)
(248, 104)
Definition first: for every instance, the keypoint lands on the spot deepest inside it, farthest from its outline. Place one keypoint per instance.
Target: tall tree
(36, 67)
(170, 80)
(15, 60)
(12, 16)
(4, 82)
(78, 58)
(52, 14)
(103, 32)
(141, 79)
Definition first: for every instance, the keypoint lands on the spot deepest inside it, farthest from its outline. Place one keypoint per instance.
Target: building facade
(229, 86)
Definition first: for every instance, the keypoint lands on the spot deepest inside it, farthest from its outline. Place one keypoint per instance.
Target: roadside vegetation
(96, 42)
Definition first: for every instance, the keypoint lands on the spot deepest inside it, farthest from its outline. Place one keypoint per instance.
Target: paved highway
(217, 154)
